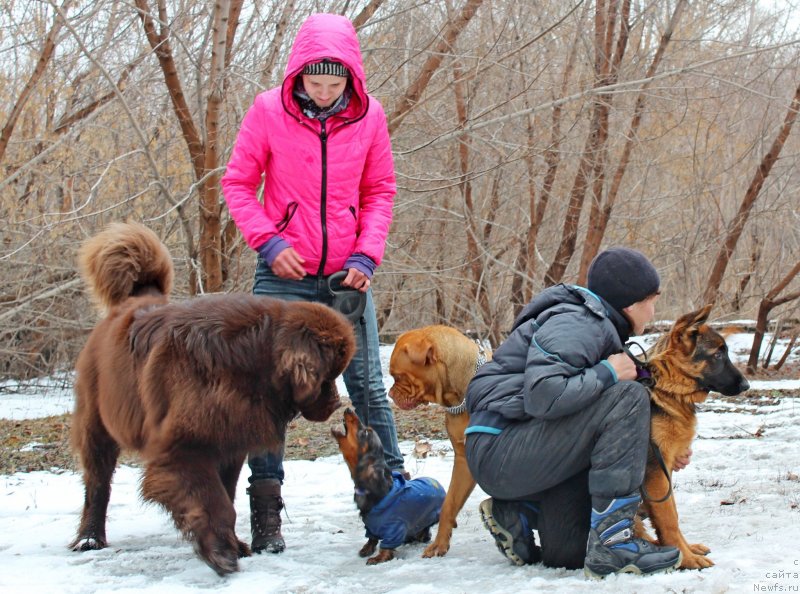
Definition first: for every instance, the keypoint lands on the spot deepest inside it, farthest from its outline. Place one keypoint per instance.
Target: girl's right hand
(623, 366)
(289, 265)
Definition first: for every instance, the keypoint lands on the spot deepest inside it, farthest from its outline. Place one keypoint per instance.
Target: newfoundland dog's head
(314, 345)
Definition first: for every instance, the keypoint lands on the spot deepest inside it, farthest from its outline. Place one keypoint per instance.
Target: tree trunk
(209, 245)
(447, 39)
(736, 226)
(770, 302)
(204, 155)
(277, 42)
(366, 13)
(598, 222)
(592, 161)
(474, 259)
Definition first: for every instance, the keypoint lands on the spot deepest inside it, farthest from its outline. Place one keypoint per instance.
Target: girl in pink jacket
(320, 146)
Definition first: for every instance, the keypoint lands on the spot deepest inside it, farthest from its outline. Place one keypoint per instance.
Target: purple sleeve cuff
(270, 250)
(362, 263)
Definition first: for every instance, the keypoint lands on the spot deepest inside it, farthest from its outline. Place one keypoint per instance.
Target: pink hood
(327, 196)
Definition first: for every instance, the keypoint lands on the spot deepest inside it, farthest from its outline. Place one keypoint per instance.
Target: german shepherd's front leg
(664, 517)
(461, 486)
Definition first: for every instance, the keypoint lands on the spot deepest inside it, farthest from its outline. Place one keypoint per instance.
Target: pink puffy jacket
(327, 192)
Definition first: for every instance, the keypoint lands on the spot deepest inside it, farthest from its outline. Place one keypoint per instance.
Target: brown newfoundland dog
(192, 387)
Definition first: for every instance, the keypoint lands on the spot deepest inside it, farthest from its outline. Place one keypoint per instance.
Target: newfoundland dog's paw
(244, 550)
(87, 543)
(222, 560)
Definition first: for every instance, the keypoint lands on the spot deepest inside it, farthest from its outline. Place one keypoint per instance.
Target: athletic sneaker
(511, 524)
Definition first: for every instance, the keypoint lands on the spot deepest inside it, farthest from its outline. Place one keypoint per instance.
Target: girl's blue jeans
(269, 464)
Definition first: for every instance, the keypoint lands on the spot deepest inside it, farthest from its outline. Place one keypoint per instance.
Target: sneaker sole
(502, 537)
(634, 570)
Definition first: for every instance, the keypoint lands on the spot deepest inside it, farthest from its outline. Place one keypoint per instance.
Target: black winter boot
(265, 516)
(612, 548)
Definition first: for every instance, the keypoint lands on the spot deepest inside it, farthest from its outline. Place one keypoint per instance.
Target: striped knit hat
(326, 67)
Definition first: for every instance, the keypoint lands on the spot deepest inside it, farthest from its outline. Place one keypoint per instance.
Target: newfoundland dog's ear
(300, 367)
(314, 345)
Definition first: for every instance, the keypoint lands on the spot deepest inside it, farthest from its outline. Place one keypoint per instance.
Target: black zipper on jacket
(323, 137)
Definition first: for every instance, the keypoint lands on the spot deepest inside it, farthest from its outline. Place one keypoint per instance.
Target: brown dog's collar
(462, 407)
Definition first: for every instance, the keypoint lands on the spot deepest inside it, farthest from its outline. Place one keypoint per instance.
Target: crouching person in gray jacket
(557, 401)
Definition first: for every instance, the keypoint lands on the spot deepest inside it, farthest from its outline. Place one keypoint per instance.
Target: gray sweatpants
(609, 438)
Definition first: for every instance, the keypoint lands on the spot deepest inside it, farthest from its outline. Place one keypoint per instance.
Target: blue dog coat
(409, 508)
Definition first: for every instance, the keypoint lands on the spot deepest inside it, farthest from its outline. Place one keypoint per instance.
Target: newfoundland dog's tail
(124, 260)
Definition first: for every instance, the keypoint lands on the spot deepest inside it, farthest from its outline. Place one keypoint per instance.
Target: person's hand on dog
(682, 461)
(289, 264)
(623, 366)
(356, 279)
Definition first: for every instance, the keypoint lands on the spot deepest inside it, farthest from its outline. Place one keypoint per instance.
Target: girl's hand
(356, 279)
(623, 366)
(289, 265)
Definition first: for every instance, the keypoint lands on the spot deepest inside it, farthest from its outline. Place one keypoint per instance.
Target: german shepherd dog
(686, 364)
(394, 510)
(192, 387)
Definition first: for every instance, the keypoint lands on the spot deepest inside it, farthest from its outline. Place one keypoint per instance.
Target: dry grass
(43, 444)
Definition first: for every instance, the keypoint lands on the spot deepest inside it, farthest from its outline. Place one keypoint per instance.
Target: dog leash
(645, 377)
(462, 407)
(351, 303)
(643, 374)
(663, 465)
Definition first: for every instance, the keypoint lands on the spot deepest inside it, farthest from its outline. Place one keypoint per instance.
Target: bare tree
(601, 209)
(447, 38)
(204, 153)
(593, 159)
(45, 56)
(737, 225)
(772, 300)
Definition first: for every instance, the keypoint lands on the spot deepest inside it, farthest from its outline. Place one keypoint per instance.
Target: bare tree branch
(44, 59)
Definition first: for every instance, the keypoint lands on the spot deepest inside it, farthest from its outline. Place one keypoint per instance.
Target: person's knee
(634, 398)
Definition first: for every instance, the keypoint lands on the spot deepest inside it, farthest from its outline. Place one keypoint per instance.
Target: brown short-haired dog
(434, 364)
(394, 510)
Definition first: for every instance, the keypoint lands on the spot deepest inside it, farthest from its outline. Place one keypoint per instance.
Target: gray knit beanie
(328, 67)
(622, 277)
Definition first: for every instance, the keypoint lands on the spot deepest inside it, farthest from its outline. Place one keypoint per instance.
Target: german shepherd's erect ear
(684, 332)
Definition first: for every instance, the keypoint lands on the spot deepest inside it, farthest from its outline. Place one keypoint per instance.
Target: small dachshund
(395, 511)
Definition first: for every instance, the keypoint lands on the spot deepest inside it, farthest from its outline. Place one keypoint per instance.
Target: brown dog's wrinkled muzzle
(403, 398)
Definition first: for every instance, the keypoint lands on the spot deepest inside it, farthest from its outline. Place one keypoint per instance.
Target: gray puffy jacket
(552, 364)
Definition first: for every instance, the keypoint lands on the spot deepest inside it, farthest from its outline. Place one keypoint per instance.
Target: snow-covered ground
(740, 496)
